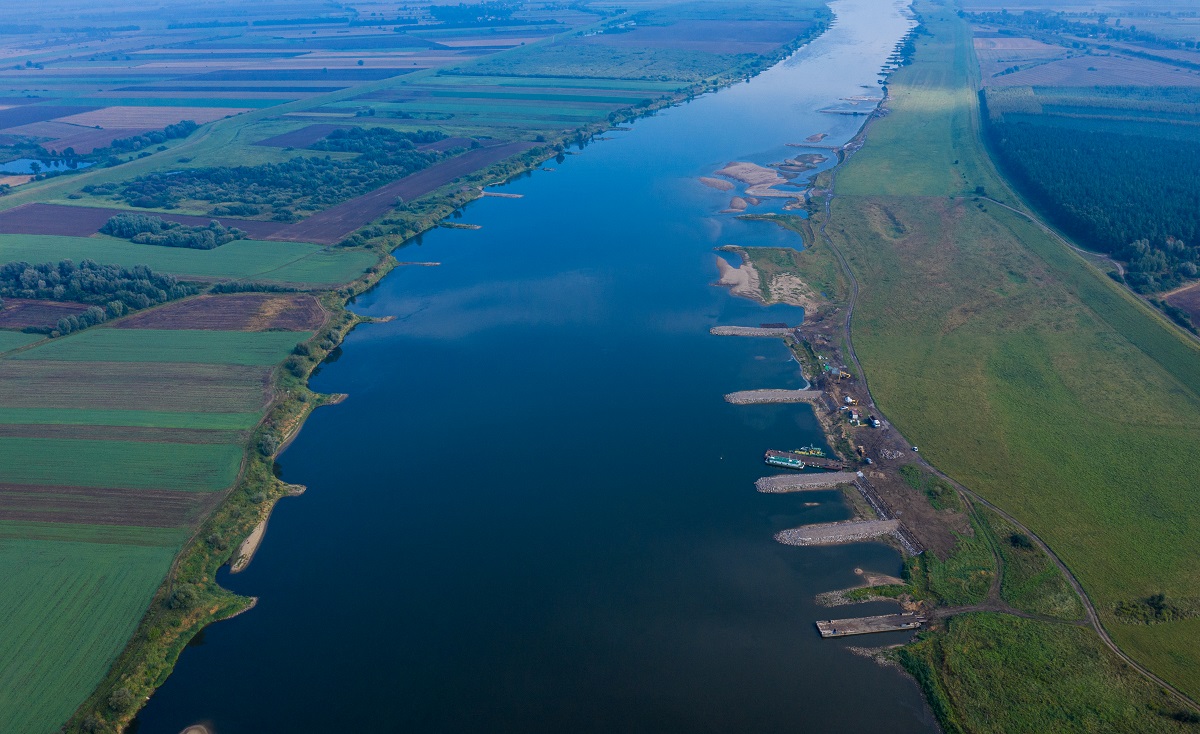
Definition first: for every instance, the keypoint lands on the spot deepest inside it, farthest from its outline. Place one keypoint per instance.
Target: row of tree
(147, 229)
(1083, 181)
(112, 290)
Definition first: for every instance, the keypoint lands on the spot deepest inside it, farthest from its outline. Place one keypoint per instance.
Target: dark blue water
(535, 513)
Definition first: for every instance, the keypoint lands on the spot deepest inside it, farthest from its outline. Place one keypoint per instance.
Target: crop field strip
(167, 345)
(1056, 394)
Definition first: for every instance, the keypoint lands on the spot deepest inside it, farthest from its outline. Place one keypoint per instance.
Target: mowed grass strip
(1020, 371)
(142, 418)
(127, 464)
(157, 345)
(223, 394)
(240, 259)
(68, 610)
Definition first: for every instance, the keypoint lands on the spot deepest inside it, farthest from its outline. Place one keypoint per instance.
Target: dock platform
(761, 397)
(781, 483)
(869, 625)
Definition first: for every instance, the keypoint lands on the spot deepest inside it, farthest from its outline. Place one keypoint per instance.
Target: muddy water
(535, 513)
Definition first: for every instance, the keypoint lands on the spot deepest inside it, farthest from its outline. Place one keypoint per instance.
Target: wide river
(535, 513)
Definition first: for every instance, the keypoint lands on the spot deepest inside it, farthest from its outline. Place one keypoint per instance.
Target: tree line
(112, 290)
(147, 229)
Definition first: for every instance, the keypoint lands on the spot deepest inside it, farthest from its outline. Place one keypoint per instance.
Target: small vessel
(809, 451)
(784, 459)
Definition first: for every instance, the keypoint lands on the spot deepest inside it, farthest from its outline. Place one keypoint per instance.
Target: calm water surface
(535, 513)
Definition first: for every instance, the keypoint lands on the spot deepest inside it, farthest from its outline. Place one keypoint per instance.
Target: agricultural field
(136, 433)
(1031, 377)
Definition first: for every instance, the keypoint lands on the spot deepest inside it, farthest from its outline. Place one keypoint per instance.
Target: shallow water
(535, 512)
(26, 165)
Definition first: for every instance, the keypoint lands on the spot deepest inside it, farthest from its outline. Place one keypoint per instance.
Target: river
(535, 512)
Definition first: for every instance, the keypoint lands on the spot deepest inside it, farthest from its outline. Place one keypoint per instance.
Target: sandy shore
(245, 551)
(742, 281)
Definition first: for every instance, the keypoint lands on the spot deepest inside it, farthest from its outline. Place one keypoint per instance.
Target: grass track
(1020, 370)
(97, 592)
(156, 345)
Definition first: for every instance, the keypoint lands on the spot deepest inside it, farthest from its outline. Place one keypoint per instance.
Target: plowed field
(234, 312)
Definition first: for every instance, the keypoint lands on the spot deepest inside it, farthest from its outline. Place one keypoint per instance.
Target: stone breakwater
(750, 331)
(833, 533)
(781, 483)
(758, 397)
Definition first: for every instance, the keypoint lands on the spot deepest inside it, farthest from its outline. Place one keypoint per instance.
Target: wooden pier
(870, 625)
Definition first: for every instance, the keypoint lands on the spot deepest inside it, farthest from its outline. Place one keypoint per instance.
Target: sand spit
(245, 551)
(716, 183)
(742, 281)
(736, 204)
(816, 137)
(760, 180)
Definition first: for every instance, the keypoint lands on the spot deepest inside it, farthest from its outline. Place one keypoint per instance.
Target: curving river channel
(535, 513)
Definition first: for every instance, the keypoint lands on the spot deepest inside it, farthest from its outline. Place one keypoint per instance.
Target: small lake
(22, 166)
(535, 512)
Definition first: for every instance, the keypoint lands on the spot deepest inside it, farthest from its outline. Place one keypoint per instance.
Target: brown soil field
(1189, 300)
(18, 313)
(710, 36)
(156, 117)
(1086, 71)
(357, 74)
(209, 388)
(83, 221)
(156, 508)
(301, 138)
(234, 312)
(25, 114)
(333, 224)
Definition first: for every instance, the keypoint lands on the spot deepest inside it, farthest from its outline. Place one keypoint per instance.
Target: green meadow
(97, 592)
(157, 345)
(1020, 370)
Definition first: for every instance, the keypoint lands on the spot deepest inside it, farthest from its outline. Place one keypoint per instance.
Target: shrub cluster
(146, 229)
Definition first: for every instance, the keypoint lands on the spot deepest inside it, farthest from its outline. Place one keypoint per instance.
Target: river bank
(479, 310)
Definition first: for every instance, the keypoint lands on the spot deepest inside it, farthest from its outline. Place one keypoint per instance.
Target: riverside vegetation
(1019, 367)
(187, 446)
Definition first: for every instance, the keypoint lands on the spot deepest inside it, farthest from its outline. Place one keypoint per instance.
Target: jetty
(760, 397)
(781, 483)
(870, 625)
(750, 330)
(501, 195)
(834, 533)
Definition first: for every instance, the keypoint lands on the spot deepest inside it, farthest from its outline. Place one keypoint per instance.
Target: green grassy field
(68, 609)
(13, 339)
(131, 464)
(144, 418)
(155, 345)
(250, 259)
(1020, 370)
(1031, 581)
(992, 673)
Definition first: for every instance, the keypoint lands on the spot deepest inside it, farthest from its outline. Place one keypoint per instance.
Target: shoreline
(149, 658)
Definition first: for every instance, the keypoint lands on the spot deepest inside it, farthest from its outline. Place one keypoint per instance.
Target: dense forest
(146, 229)
(304, 182)
(377, 143)
(1136, 198)
(1095, 25)
(111, 289)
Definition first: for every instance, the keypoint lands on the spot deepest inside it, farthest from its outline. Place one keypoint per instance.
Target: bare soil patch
(25, 114)
(1189, 300)
(18, 313)
(303, 137)
(156, 508)
(234, 312)
(154, 117)
(1086, 71)
(83, 221)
